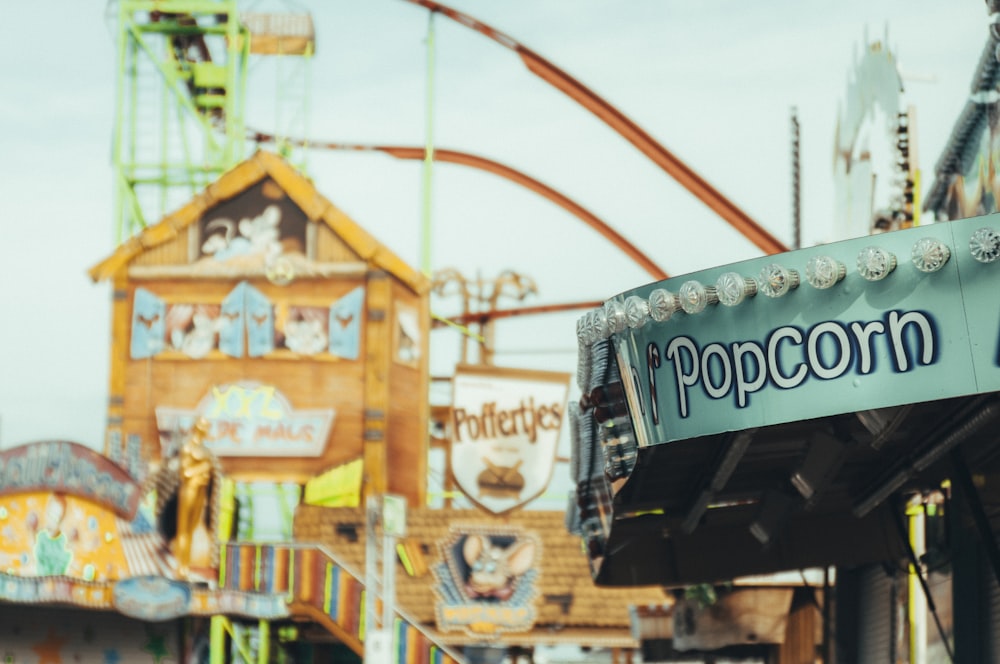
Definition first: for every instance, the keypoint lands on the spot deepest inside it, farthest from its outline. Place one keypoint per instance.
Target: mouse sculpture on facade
(494, 570)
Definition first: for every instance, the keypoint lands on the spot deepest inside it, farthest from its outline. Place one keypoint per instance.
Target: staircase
(319, 588)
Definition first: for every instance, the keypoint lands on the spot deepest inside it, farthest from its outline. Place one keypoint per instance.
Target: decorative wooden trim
(376, 391)
(357, 238)
(417, 281)
(228, 185)
(190, 213)
(236, 180)
(280, 354)
(193, 244)
(157, 235)
(312, 238)
(228, 273)
(299, 188)
(121, 329)
(107, 268)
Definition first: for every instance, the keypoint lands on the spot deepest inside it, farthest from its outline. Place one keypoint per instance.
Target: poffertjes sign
(505, 432)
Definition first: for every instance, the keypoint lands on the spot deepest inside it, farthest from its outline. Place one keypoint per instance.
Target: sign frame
(908, 338)
(485, 418)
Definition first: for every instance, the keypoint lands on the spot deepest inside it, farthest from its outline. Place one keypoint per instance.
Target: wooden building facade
(262, 322)
(264, 308)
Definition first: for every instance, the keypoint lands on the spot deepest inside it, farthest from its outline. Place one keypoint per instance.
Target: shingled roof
(571, 609)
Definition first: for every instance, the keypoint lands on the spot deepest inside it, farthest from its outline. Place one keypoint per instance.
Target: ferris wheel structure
(183, 112)
(181, 96)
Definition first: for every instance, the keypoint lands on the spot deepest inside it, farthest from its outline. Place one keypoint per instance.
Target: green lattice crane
(180, 113)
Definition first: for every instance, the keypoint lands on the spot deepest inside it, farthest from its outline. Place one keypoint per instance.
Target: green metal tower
(182, 95)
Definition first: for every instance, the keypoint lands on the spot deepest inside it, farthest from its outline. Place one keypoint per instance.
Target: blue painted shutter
(260, 322)
(345, 324)
(233, 310)
(148, 324)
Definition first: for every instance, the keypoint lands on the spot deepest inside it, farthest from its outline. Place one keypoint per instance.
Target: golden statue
(197, 469)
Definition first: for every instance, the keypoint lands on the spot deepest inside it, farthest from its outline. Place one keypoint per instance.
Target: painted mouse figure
(493, 569)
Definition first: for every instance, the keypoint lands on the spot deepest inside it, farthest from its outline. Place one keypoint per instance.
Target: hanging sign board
(505, 428)
(152, 598)
(249, 419)
(64, 467)
(910, 337)
(487, 580)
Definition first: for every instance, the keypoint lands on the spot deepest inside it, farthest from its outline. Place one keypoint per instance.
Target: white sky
(712, 80)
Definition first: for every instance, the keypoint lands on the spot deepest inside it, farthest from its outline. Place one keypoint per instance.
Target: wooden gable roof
(297, 187)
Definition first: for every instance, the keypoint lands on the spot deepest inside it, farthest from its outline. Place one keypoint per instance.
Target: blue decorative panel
(345, 324)
(148, 324)
(231, 328)
(260, 322)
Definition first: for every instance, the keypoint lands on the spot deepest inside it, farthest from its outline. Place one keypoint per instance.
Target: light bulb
(636, 311)
(776, 280)
(583, 329)
(614, 311)
(694, 296)
(662, 305)
(586, 333)
(824, 271)
(733, 288)
(929, 254)
(985, 245)
(599, 324)
(875, 263)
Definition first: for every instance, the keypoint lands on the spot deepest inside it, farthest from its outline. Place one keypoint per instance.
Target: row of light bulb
(774, 280)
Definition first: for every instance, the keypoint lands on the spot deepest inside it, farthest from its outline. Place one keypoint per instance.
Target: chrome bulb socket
(823, 272)
(733, 288)
(929, 254)
(636, 311)
(985, 245)
(777, 280)
(875, 263)
(695, 296)
(662, 305)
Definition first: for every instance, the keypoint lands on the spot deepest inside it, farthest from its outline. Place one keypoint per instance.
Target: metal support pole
(911, 123)
(373, 559)
(428, 174)
(796, 185)
(915, 564)
(388, 580)
(217, 640)
(386, 518)
(917, 605)
(264, 642)
(972, 499)
(828, 599)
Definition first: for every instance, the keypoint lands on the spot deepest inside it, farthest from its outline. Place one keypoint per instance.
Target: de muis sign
(794, 350)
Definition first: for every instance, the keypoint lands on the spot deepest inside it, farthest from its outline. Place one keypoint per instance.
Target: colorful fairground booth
(829, 410)
(832, 408)
(266, 465)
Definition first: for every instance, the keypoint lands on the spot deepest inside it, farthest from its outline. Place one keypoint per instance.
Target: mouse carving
(494, 570)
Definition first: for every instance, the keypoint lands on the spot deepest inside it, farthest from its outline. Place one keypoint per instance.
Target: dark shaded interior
(811, 493)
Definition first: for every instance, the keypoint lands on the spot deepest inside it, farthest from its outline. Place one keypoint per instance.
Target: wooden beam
(378, 351)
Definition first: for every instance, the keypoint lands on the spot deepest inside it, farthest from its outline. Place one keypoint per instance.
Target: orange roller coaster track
(502, 170)
(617, 120)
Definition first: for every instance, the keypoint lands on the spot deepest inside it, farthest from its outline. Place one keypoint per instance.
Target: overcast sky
(712, 80)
